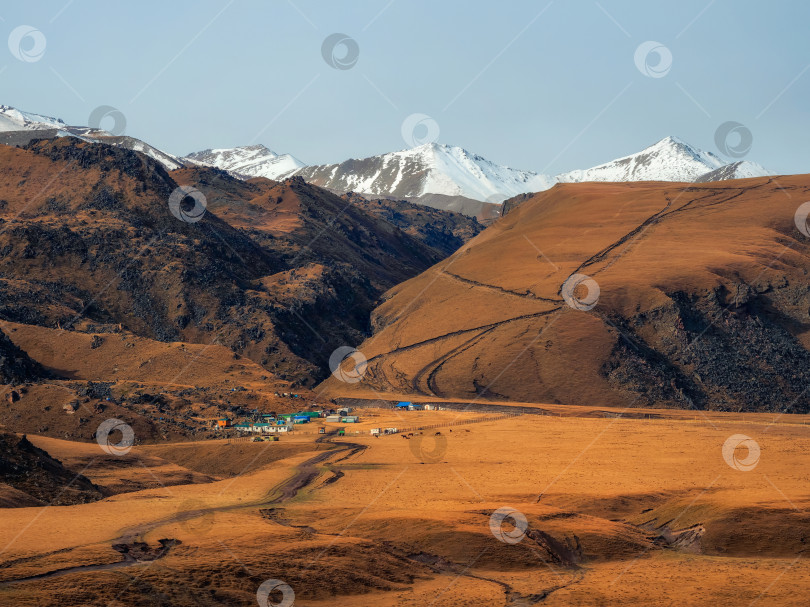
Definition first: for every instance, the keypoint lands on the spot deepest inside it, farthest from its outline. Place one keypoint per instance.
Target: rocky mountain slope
(646, 294)
(445, 231)
(12, 119)
(742, 169)
(283, 273)
(164, 391)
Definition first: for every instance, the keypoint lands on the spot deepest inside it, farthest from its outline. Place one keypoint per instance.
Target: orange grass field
(617, 511)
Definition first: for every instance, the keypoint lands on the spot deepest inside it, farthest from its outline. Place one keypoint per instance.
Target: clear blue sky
(548, 93)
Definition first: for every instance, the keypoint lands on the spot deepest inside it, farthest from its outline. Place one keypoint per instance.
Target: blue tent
(403, 405)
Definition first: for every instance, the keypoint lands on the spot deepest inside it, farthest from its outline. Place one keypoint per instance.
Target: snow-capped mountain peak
(250, 161)
(670, 159)
(241, 155)
(432, 168)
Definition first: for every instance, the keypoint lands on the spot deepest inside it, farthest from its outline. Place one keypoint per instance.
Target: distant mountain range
(428, 169)
(433, 174)
(453, 171)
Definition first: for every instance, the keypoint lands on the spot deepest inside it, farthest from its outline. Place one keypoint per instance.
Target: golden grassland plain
(619, 511)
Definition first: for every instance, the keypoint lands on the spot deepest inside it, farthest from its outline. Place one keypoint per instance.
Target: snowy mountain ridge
(249, 161)
(13, 120)
(428, 169)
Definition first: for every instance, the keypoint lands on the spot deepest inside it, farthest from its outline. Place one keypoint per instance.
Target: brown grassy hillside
(165, 391)
(703, 302)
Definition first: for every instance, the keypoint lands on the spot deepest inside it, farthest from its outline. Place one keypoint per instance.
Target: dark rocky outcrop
(31, 470)
(15, 365)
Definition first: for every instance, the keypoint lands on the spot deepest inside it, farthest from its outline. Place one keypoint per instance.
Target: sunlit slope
(702, 302)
